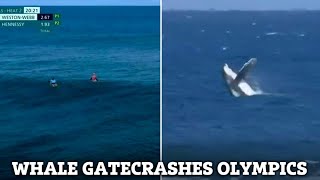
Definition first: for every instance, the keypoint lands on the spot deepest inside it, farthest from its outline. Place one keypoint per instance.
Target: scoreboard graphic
(28, 17)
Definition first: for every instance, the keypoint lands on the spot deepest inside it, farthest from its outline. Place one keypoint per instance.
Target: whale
(236, 82)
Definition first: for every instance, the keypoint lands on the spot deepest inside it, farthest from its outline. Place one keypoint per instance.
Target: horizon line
(219, 10)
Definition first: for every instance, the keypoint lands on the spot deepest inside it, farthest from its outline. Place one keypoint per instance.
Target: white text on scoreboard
(18, 17)
(31, 10)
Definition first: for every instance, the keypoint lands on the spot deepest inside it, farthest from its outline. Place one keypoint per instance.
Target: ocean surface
(115, 119)
(203, 121)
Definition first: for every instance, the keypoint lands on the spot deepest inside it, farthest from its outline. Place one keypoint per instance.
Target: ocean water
(114, 119)
(202, 121)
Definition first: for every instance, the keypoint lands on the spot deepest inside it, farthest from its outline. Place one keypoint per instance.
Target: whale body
(236, 83)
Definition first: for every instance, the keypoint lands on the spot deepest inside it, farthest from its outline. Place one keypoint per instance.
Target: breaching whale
(236, 83)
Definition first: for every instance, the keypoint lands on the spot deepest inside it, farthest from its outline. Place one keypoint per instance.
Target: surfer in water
(53, 82)
(94, 78)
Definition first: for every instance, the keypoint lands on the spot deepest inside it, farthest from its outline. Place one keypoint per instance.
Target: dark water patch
(79, 120)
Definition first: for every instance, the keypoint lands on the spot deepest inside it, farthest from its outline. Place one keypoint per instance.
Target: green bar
(57, 23)
(57, 16)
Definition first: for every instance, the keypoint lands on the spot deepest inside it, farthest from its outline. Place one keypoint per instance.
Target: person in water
(94, 78)
(53, 82)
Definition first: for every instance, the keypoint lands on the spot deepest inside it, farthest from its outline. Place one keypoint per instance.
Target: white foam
(224, 48)
(271, 33)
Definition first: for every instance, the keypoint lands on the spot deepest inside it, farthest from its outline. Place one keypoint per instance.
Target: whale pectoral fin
(245, 70)
(241, 75)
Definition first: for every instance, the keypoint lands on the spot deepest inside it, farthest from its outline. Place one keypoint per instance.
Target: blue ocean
(116, 119)
(203, 121)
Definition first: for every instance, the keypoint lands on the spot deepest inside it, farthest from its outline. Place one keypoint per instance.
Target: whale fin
(242, 74)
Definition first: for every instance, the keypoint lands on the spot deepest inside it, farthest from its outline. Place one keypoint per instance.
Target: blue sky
(79, 2)
(241, 4)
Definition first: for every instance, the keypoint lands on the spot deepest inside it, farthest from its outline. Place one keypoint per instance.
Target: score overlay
(19, 17)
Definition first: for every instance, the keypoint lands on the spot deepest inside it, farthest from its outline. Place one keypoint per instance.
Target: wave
(259, 92)
(271, 33)
(30, 94)
(85, 39)
(60, 123)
